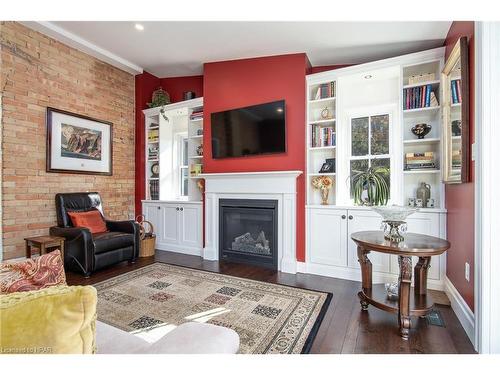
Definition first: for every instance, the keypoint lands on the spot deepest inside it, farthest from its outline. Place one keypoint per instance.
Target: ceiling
(169, 49)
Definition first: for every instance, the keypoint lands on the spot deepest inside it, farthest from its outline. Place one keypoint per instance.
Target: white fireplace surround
(277, 185)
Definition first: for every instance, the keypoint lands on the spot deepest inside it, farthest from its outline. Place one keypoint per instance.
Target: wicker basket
(148, 238)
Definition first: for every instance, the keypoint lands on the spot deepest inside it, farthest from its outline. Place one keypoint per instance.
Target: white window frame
(344, 153)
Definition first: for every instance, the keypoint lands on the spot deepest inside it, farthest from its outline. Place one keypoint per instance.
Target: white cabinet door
(361, 220)
(422, 223)
(169, 232)
(152, 213)
(328, 231)
(191, 231)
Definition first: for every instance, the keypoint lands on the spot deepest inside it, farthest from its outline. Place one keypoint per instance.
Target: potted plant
(369, 188)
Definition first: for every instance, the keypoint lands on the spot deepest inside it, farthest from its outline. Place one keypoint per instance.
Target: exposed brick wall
(38, 72)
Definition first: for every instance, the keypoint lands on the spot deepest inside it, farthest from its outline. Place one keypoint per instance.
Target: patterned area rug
(269, 318)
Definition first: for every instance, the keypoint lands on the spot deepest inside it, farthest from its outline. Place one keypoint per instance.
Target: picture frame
(78, 144)
(328, 166)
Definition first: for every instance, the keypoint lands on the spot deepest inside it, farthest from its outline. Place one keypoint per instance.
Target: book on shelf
(323, 136)
(153, 135)
(197, 114)
(419, 160)
(154, 189)
(153, 151)
(456, 91)
(325, 90)
(419, 97)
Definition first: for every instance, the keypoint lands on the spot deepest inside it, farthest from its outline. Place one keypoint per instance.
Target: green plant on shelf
(370, 188)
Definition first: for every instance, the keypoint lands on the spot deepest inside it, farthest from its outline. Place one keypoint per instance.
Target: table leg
(366, 274)
(28, 250)
(61, 247)
(404, 296)
(42, 249)
(421, 269)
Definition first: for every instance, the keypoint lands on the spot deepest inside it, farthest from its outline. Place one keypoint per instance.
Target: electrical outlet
(467, 271)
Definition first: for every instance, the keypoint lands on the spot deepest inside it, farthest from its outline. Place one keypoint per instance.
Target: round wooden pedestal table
(411, 301)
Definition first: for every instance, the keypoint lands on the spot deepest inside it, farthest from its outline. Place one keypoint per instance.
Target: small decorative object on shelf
(424, 193)
(199, 150)
(326, 114)
(421, 130)
(411, 202)
(430, 203)
(197, 114)
(159, 98)
(394, 223)
(420, 78)
(392, 290)
(195, 169)
(155, 170)
(328, 166)
(456, 128)
(200, 184)
(323, 184)
(199, 131)
(188, 95)
(369, 188)
(419, 203)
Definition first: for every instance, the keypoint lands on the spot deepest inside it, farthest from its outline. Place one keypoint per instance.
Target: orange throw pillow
(89, 219)
(32, 274)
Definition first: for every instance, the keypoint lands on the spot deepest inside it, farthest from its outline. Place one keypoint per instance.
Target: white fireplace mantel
(277, 185)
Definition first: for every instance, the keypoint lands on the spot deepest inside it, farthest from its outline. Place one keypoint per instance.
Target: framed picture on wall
(78, 144)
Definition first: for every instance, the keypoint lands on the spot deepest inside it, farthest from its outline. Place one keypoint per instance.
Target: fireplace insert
(248, 231)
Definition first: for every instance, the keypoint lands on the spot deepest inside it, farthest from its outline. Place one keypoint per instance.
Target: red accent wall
(145, 84)
(239, 83)
(176, 86)
(460, 197)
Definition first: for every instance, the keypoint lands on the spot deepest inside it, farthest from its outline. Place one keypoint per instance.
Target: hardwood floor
(345, 328)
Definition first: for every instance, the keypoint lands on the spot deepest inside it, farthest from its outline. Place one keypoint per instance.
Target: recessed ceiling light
(139, 27)
(368, 76)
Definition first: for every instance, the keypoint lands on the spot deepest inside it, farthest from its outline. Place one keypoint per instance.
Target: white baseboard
(180, 250)
(461, 309)
(355, 274)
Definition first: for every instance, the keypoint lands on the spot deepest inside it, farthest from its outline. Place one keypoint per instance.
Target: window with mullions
(370, 144)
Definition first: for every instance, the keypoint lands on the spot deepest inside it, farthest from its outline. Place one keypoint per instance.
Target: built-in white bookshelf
(321, 135)
(173, 152)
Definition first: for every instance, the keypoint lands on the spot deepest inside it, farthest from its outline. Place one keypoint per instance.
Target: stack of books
(456, 91)
(325, 90)
(197, 114)
(456, 158)
(154, 189)
(419, 160)
(419, 97)
(322, 136)
(153, 152)
(153, 136)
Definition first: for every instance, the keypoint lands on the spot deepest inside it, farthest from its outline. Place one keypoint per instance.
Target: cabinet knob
(159, 207)
(343, 217)
(177, 208)
(182, 208)
(350, 217)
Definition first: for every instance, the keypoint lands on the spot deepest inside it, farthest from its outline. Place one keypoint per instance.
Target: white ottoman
(188, 338)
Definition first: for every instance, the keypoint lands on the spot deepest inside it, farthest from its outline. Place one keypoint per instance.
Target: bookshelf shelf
(433, 83)
(424, 109)
(318, 122)
(323, 100)
(320, 174)
(425, 141)
(420, 171)
(196, 137)
(196, 120)
(153, 160)
(196, 157)
(322, 148)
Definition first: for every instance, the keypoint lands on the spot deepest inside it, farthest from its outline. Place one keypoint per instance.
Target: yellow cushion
(59, 319)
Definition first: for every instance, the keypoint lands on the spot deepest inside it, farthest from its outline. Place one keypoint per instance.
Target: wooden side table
(43, 244)
(408, 304)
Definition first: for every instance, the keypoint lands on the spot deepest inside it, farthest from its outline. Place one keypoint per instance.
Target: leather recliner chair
(86, 252)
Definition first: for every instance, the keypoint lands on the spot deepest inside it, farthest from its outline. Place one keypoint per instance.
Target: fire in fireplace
(248, 230)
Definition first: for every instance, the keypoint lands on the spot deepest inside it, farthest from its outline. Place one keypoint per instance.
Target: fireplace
(248, 231)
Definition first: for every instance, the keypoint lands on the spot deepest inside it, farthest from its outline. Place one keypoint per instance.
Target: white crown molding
(72, 40)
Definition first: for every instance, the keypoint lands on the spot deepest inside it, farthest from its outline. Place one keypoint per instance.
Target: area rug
(269, 318)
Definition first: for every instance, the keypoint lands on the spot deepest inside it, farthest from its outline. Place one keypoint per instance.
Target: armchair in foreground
(87, 252)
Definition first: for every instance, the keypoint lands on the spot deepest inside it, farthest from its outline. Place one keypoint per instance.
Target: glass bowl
(394, 212)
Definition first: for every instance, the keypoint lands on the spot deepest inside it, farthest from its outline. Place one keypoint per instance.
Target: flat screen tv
(254, 130)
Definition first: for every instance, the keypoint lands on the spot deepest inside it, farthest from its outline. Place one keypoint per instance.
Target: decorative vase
(424, 193)
(324, 195)
(421, 130)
